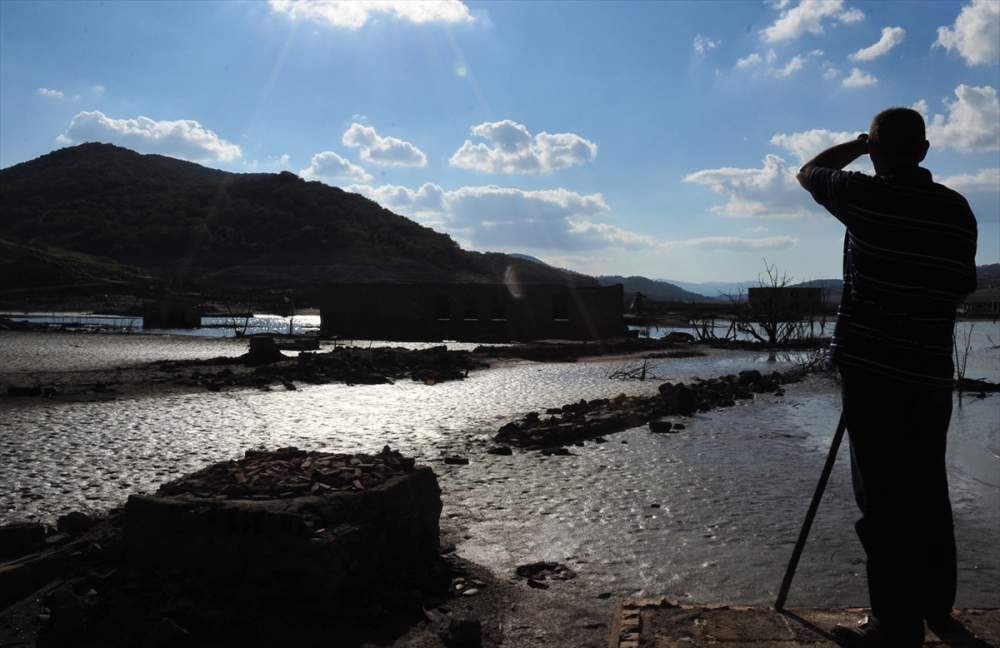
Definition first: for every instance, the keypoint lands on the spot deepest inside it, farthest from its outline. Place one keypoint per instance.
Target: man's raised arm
(835, 157)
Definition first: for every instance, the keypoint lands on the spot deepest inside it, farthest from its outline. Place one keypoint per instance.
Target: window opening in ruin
(470, 309)
(442, 307)
(498, 309)
(560, 308)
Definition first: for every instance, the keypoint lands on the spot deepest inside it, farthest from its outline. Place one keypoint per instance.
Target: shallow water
(733, 488)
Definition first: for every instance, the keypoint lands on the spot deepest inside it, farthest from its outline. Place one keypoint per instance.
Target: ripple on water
(732, 489)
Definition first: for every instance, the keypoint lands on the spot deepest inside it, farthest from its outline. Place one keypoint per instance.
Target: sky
(658, 139)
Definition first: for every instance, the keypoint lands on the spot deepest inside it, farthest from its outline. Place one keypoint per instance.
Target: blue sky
(649, 138)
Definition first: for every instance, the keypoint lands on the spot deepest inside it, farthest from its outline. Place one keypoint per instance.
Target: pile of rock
(287, 473)
(587, 419)
(348, 365)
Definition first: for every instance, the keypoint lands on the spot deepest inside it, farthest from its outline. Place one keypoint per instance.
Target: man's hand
(835, 157)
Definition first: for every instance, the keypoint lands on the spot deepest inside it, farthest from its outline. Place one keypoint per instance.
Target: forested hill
(171, 217)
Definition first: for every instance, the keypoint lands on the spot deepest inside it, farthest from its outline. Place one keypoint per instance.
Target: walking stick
(817, 496)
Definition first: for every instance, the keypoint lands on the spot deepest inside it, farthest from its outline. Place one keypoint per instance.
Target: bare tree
(770, 316)
(962, 346)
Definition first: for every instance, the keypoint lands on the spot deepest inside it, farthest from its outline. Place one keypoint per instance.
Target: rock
(660, 426)
(73, 523)
(67, 623)
(546, 570)
(463, 632)
(24, 392)
(20, 538)
(167, 634)
(456, 461)
(500, 450)
(537, 584)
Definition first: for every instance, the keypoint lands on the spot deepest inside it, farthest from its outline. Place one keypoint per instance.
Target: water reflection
(732, 489)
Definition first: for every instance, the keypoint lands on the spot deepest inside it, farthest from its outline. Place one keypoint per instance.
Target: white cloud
(975, 34)
(891, 37)
(806, 145)
(354, 14)
(808, 16)
(769, 192)
(45, 92)
(185, 139)
(753, 59)
(513, 150)
(612, 235)
(985, 180)
(793, 66)
(973, 122)
(733, 244)
(859, 79)
(331, 166)
(385, 151)
(97, 89)
(703, 44)
(831, 72)
(491, 216)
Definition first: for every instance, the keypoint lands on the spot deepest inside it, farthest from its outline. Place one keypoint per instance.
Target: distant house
(470, 312)
(792, 303)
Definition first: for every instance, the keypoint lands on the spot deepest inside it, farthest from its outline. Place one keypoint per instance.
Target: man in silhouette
(909, 261)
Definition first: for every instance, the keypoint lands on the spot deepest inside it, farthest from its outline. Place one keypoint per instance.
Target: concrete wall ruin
(471, 312)
(309, 548)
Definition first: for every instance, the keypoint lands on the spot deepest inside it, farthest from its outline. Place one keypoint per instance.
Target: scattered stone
(660, 426)
(73, 523)
(589, 419)
(24, 392)
(456, 461)
(500, 450)
(287, 473)
(546, 570)
(537, 584)
(463, 632)
(562, 452)
(167, 634)
(20, 538)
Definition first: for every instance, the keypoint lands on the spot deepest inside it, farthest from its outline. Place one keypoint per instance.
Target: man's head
(897, 137)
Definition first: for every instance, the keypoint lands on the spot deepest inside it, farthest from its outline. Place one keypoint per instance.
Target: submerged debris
(589, 419)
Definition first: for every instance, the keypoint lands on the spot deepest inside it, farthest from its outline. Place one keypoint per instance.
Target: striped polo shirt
(909, 254)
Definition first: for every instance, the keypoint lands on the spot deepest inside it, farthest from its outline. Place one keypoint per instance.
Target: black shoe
(866, 635)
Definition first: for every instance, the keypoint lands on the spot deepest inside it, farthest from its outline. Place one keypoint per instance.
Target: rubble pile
(348, 365)
(287, 473)
(587, 419)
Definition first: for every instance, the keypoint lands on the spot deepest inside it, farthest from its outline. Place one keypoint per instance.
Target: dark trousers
(898, 433)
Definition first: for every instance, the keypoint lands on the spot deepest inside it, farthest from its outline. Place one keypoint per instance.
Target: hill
(104, 206)
(655, 290)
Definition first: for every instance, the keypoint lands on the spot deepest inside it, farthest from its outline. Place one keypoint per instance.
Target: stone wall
(314, 547)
